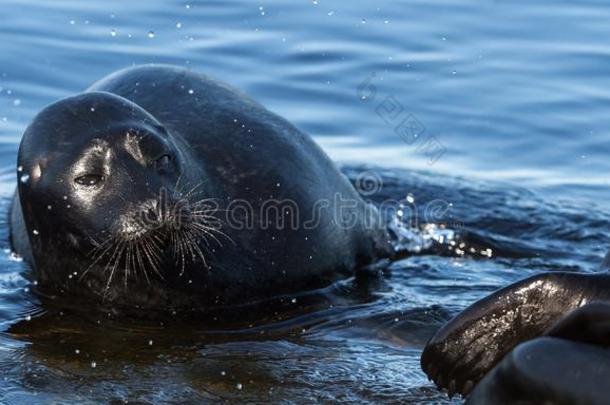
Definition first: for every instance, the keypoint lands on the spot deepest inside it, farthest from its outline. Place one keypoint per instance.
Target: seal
(465, 349)
(160, 188)
(569, 364)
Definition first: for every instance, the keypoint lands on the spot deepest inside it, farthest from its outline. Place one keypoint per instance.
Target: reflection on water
(507, 90)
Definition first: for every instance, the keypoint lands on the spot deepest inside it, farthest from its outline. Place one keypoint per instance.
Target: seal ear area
(473, 342)
(82, 115)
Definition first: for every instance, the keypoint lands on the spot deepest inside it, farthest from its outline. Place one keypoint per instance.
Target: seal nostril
(152, 214)
(163, 162)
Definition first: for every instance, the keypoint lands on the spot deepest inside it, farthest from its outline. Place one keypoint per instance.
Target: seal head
(97, 176)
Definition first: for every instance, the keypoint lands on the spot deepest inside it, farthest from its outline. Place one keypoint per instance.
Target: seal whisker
(128, 261)
(193, 189)
(141, 266)
(194, 248)
(152, 249)
(149, 258)
(178, 251)
(177, 185)
(202, 231)
(210, 231)
(118, 255)
(98, 253)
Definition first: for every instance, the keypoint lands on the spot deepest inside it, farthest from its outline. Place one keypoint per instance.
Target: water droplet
(15, 257)
(92, 109)
(72, 22)
(191, 91)
(331, 13)
(113, 33)
(35, 232)
(93, 364)
(150, 342)
(187, 6)
(454, 72)
(223, 373)
(151, 34)
(77, 351)
(28, 318)
(24, 178)
(386, 21)
(19, 169)
(178, 25)
(49, 207)
(294, 301)
(410, 198)
(17, 102)
(364, 21)
(315, 2)
(239, 386)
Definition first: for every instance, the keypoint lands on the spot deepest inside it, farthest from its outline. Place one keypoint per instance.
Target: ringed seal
(544, 339)
(160, 188)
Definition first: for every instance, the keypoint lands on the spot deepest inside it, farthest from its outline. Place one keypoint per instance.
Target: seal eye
(89, 180)
(163, 162)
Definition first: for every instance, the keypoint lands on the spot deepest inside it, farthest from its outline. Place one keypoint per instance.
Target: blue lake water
(498, 109)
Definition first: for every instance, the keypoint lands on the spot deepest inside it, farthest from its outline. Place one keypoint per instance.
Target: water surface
(507, 105)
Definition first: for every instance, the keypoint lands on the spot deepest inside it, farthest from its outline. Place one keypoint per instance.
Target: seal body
(547, 371)
(569, 364)
(161, 188)
(483, 336)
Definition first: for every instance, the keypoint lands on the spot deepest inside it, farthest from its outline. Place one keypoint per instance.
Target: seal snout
(171, 226)
(157, 215)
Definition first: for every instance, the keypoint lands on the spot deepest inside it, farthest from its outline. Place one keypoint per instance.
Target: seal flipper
(467, 347)
(547, 370)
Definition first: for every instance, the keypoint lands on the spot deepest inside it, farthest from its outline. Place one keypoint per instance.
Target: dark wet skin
(570, 364)
(463, 352)
(159, 189)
